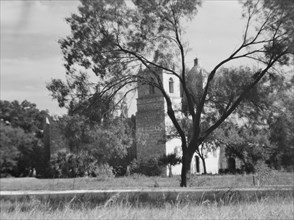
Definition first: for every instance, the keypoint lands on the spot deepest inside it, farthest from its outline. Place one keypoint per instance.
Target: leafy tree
(75, 130)
(203, 151)
(282, 137)
(90, 125)
(79, 97)
(170, 160)
(26, 121)
(281, 128)
(251, 114)
(24, 115)
(247, 144)
(120, 164)
(18, 151)
(249, 133)
(9, 150)
(108, 141)
(112, 39)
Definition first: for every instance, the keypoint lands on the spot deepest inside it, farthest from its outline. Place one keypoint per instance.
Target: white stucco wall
(174, 146)
(212, 159)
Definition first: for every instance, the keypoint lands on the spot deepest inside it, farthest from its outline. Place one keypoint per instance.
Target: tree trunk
(184, 172)
(170, 170)
(204, 164)
(186, 163)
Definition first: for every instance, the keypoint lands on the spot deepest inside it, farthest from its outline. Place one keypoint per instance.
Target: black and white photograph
(147, 109)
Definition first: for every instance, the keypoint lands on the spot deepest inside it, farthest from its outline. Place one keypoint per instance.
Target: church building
(153, 126)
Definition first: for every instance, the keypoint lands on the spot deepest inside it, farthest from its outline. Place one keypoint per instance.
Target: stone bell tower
(152, 121)
(153, 125)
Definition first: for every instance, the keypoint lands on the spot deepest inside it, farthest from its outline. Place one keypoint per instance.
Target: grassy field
(266, 208)
(136, 181)
(274, 207)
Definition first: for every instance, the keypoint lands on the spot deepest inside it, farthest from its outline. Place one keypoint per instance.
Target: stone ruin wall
(53, 139)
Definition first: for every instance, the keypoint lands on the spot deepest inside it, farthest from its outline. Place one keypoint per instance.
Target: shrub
(69, 165)
(264, 173)
(150, 167)
(170, 160)
(120, 165)
(103, 171)
(65, 165)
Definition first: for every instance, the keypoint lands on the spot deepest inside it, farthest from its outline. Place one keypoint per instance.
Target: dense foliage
(69, 165)
(261, 129)
(90, 144)
(24, 115)
(21, 143)
(148, 167)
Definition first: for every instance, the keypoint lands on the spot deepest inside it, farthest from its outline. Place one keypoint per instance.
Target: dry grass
(278, 178)
(266, 208)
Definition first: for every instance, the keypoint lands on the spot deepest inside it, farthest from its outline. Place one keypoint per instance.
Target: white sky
(31, 57)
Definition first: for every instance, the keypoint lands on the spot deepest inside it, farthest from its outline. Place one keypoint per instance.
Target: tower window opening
(171, 85)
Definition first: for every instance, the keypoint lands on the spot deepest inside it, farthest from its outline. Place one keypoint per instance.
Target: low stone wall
(147, 195)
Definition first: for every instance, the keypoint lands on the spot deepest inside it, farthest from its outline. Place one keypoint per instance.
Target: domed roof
(194, 81)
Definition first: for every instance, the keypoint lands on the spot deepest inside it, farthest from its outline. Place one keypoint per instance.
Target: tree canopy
(21, 143)
(104, 142)
(24, 115)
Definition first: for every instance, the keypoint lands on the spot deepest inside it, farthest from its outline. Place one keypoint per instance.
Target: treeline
(92, 147)
(90, 144)
(99, 138)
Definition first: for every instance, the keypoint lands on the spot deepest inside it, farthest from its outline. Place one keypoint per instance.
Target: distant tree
(202, 152)
(111, 141)
(24, 115)
(282, 137)
(22, 125)
(8, 148)
(104, 141)
(252, 112)
(18, 151)
(170, 160)
(90, 125)
(249, 133)
(281, 128)
(121, 164)
(112, 39)
(75, 129)
(250, 145)
(79, 97)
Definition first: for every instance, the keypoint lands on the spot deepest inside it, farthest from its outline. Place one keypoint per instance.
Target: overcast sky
(30, 54)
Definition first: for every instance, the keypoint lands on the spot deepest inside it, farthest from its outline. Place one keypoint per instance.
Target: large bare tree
(114, 38)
